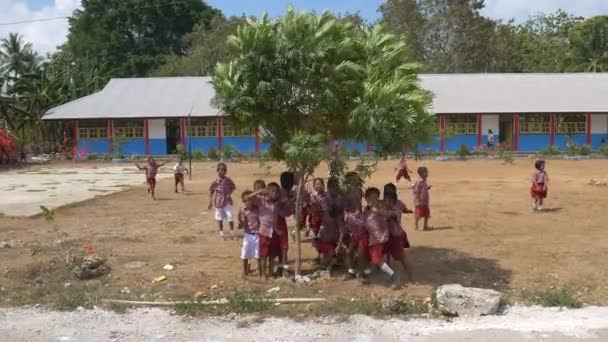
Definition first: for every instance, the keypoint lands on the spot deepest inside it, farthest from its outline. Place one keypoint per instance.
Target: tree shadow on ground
(439, 266)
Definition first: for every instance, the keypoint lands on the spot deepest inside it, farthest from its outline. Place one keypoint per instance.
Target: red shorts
(151, 182)
(179, 178)
(396, 246)
(360, 243)
(269, 247)
(422, 211)
(402, 173)
(327, 249)
(376, 253)
(315, 224)
(538, 191)
(283, 239)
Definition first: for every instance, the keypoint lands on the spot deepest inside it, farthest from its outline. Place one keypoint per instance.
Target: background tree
(305, 75)
(589, 45)
(16, 56)
(131, 37)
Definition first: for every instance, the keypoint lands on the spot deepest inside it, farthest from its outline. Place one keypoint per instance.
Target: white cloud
(520, 10)
(46, 35)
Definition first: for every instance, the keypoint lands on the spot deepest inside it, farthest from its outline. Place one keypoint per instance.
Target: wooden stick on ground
(215, 302)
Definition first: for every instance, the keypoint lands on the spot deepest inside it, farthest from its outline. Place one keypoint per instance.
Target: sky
(47, 35)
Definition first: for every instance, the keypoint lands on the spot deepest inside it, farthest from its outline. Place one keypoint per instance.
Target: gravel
(152, 324)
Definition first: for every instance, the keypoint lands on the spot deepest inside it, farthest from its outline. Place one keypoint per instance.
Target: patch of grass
(562, 298)
(38, 249)
(118, 308)
(35, 190)
(72, 298)
(239, 302)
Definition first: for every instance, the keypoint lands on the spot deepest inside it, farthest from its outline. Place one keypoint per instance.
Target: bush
(604, 149)
(227, 152)
(356, 153)
(585, 150)
(572, 148)
(135, 156)
(463, 151)
(92, 156)
(549, 151)
(212, 153)
(181, 151)
(198, 155)
(107, 157)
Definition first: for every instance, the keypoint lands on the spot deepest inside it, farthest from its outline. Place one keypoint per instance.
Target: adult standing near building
(490, 139)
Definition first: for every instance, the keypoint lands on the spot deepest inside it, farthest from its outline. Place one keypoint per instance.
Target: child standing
(398, 243)
(249, 222)
(539, 180)
(151, 169)
(377, 227)
(259, 185)
(267, 202)
(421, 198)
(317, 205)
(331, 233)
(356, 237)
(178, 175)
(220, 197)
(286, 209)
(402, 171)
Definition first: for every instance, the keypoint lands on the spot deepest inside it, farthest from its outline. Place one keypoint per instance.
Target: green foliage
(355, 153)
(212, 154)
(198, 155)
(589, 45)
(558, 298)
(227, 152)
(504, 153)
(305, 152)
(92, 156)
(47, 214)
(604, 149)
(549, 151)
(463, 151)
(585, 150)
(572, 147)
(181, 151)
(107, 157)
(135, 156)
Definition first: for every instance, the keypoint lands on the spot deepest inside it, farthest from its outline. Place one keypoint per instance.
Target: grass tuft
(562, 298)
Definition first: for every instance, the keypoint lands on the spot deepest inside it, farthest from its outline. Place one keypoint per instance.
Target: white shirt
(179, 169)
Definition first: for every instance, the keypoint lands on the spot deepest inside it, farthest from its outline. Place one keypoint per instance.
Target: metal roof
(142, 98)
(453, 93)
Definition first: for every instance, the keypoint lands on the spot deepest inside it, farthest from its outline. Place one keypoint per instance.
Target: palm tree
(16, 56)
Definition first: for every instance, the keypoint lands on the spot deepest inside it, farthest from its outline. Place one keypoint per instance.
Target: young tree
(589, 45)
(305, 75)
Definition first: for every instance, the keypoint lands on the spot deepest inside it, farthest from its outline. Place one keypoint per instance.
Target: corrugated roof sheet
(454, 93)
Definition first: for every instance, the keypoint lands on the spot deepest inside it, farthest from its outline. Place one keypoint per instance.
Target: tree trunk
(299, 193)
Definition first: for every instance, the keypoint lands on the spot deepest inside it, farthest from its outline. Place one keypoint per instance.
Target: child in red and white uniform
(286, 209)
(539, 180)
(220, 197)
(421, 198)
(317, 205)
(178, 175)
(402, 171)
(355, 236)
(398, 243)
(377, 228)
(331, 233)
(259, 185)
(249, 222)
(267, 203)
(151, 167)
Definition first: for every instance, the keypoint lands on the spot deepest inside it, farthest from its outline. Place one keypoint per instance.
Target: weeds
(70, 299)
(237, 303)
(562, 298)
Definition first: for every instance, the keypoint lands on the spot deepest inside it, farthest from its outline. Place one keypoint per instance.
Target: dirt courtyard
(484, 235)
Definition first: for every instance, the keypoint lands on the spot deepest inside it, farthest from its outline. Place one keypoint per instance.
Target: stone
(273, 290)
(213, 287)
(125, 290)
(168, 267)
(91, 268)
(321, 274)
(133, 265)
(12, 244)
(304, 280)
(199, 296)
(456, 300)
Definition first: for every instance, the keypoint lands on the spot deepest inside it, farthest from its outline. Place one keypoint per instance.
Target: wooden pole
(190, 145)
(216, 302)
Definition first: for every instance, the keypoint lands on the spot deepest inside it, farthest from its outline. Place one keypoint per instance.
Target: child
(421, 198)
(249, 222)
(331, 234)
(398, 243)
(356, 238)
(259, 185)
(377, 228)
(317, 205)
(267, 202)
(220, 192)
(178, 174)
(151, 169)
(402, 171)
(539, 180)
(286, 209)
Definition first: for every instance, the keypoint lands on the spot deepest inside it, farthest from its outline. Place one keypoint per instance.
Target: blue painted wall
(434, 146)
(454, 143)
(134, 146)
(241, 144)
(560, 140)
(354, 145)
(533, 142)
(157, 147)
(596, 140)
(93, 146)
(202, 144)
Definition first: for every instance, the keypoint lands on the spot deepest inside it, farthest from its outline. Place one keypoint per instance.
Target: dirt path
(519, 324)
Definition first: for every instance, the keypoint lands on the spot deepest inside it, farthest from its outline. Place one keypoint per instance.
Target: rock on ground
(457, 300)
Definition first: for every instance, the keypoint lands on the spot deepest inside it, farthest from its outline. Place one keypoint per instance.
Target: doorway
(173, 135)
(505, 128)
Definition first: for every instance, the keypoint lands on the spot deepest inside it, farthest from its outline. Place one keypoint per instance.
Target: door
(173, 135)
(505, 127)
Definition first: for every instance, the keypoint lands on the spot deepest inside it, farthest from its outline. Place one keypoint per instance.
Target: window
(535, 124)
(230, 131)
(461, 124)
(204, 128)
(92, 129)
(571, 123)
(129, 128)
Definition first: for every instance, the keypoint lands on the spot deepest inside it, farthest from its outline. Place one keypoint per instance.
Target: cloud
(46, 35)
(520, 10)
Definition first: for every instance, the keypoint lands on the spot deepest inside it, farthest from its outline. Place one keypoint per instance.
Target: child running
(540, 180)
(402, 171)
(220, 197)
(355, 237)
(421, 198)
(398, 243)
(178, 175)
(249, 222)
(151, 169)
(377, 227)
(267, 203)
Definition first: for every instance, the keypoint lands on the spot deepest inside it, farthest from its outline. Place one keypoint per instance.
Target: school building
(527, 112)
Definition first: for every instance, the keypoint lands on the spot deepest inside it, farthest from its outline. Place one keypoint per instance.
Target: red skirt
(269, 247)
(283, 239)
(376, 253)
(151, 182)
(315, 224)
(538, 191)
(402, 173)
(327, 249)
(179, 178)
(422, 211)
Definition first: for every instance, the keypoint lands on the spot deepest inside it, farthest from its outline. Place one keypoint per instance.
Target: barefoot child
(539, 180)
(331, 233)
(317, 205)
(398, 243)
(377, 227)
(356, 238)
(402, 171)
(286, 209)
(178, 175)
(151, 169)
(249, 222)
(421, 198)
(220, 197)
(267, 202)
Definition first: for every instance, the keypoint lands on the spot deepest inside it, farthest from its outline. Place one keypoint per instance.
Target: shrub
(181, 151)
(549, 151)
(198, 155)
(212, 153)
(227, 152)
(572, 148)
(107, 157)
(481, 150)
(585, 150)
(604, 149)
(561, 298)
(92, 156)
(135, 156)
(463, 151)
(356, 153)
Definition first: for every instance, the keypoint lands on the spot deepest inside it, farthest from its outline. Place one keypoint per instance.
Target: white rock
(213, 287)
(305, 280)
(274, 290)
(168, 267)
(133, 265)
(454, 299)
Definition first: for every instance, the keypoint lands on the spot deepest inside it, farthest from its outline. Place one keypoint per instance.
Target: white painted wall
(599, 124)
(489, 122)
(156, 129)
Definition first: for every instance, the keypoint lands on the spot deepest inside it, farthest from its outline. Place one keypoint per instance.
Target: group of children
(151, 168)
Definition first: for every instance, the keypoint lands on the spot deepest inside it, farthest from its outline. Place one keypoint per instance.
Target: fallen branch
(216, 302)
